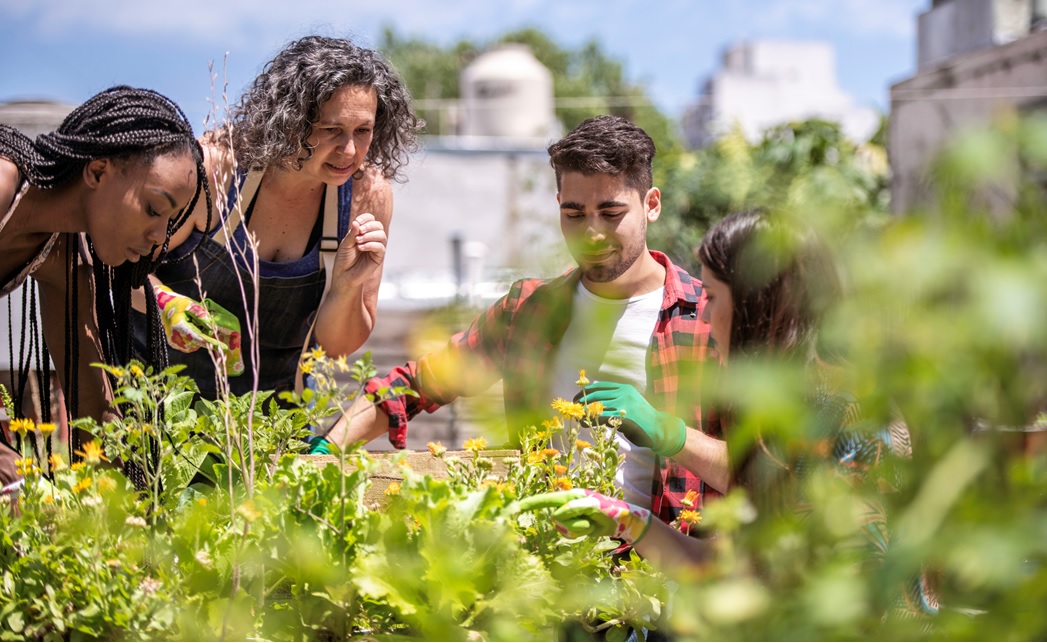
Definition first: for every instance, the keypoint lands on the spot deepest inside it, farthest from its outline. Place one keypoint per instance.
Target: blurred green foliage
(808, 167)
(943, 330)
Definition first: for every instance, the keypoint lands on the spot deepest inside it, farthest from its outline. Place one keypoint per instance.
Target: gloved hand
(187, 324)
(319, 445)
(642, 424)
(580, 512)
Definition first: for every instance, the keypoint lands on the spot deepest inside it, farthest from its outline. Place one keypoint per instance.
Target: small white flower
(135, 521)
(203, 558)
(150, 585)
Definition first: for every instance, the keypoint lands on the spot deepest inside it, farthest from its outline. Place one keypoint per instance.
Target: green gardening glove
(642, 424)
(580, 512)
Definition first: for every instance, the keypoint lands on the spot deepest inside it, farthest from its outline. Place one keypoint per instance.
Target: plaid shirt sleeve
(468, 364)
(677, 356)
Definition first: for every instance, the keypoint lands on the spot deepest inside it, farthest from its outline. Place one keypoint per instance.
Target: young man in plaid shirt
(626, 315)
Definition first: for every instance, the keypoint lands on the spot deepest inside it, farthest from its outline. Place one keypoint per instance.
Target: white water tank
(507, 93)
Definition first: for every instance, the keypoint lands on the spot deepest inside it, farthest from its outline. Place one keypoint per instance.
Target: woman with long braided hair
(90, 209)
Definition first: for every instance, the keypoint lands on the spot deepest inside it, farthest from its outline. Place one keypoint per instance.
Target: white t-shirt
(609, 339)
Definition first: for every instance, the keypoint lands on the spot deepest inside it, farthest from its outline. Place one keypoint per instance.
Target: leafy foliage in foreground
(300, 552)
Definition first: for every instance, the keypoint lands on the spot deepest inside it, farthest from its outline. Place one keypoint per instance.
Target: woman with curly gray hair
(305, 162)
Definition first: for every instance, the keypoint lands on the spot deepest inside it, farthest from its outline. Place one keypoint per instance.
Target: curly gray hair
(274, 118)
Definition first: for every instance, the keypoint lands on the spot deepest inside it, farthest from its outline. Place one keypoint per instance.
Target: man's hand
(642, 424)
(580, 512)
(188, 325)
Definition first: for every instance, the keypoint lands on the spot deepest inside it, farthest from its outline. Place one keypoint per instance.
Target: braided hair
(122, 123)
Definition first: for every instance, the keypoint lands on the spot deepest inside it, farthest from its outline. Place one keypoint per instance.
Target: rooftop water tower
(507, 93)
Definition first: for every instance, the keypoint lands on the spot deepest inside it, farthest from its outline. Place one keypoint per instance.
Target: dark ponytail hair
(783, 281)
(135, 126)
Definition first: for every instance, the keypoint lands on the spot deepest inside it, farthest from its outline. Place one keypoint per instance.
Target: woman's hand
(362, 251)
(189, 325)
(580, 512)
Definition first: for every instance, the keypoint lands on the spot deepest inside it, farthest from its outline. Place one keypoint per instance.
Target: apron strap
(244, 195)
(329, 242)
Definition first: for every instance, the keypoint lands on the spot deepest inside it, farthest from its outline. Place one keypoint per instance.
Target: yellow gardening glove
(188, 323)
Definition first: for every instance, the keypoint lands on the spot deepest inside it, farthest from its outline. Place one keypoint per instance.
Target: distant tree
(586, 81)
(795, 166)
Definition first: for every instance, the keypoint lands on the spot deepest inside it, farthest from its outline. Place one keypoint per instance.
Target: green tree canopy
(792, 167)
(587, 81)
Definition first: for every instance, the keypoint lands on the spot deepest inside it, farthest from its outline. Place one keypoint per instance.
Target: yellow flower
(22, 426)
(76, 466)
(119, 372)
(475, 444)
(307, 366)
(436, 449)
(690, 517)
(582, 445)
(92, 452)
(136, 370)
(594, 410)
(560, 470)
(248, 511)
(343, 366)
(691, 499)
(567, 409)
(554, 424)
(47, 428)
(548, 454)
(56, 462)
(564, 484)
(498, 485)
(49, 500)
(318, 353)
(534, 457)
(82, 485)
(105, 485)
(24, 466)
(393, 488)
(582, 379)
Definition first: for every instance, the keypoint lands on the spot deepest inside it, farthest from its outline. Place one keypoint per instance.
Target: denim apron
(289, 295)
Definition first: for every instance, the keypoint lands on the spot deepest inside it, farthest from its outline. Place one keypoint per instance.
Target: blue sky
(67, 50)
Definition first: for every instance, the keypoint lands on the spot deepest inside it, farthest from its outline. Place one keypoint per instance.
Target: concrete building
(764, 83)
(976, 59)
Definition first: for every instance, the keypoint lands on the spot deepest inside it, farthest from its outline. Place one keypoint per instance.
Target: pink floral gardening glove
(187, 324)
(580, 512)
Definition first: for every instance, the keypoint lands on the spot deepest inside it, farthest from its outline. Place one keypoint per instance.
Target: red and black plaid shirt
(515, 340)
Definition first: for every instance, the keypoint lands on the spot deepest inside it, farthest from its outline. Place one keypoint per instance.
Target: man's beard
(604, 273)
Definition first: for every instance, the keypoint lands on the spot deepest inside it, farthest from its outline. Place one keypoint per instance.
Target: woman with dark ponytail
(89, 210)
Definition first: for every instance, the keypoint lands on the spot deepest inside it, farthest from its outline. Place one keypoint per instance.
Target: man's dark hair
(606, 145)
